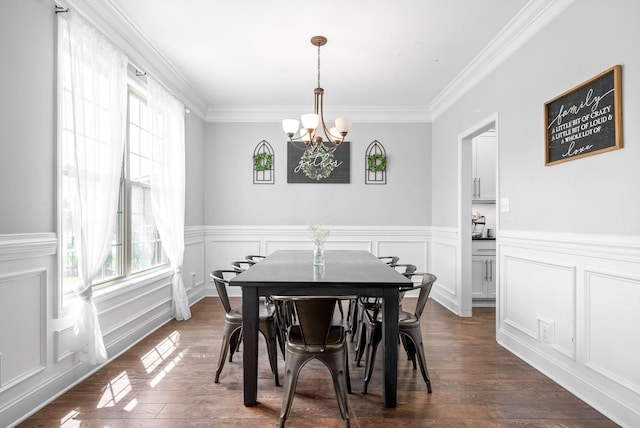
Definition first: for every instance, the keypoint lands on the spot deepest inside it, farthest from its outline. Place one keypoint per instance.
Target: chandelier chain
(319, 66)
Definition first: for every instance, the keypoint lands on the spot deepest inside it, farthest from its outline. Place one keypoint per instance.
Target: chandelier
(314, 122)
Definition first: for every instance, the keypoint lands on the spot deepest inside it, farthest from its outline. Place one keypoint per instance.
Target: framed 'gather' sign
(585, 120)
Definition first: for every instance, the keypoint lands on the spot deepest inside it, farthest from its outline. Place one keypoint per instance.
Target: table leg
(250, 344)
(390, 340)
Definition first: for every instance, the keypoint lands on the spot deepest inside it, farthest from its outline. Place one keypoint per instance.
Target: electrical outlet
(193, 279)
(545, 331)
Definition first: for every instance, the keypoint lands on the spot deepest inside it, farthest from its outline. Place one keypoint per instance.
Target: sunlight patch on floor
(170, 366)
(115, 391)
(131, 405)
(152, 359)
(68, 420)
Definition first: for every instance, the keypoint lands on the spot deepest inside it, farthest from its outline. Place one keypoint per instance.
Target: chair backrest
(254, 258)
(405, 269)
(390, 260)
(425, 286)
(241, 265)
(315, 316)
(221, 279)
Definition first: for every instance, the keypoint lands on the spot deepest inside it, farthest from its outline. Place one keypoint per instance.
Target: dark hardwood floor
(167, 381)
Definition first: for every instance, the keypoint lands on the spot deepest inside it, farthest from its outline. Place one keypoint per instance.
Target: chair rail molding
(27, 245)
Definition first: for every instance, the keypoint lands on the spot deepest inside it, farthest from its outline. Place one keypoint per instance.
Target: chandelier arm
(327, 132)
(296, 143)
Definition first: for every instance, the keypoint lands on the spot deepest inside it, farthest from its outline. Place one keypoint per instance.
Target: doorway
(468, 196)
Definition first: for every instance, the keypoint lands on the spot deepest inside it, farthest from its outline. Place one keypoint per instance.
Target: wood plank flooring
(167, 381)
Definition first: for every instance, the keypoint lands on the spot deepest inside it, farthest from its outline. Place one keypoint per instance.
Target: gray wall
(194, 194)
(404, 201)
(596, 194)
(27, 150)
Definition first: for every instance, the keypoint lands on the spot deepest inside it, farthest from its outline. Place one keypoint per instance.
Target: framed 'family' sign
(319, 166)
(585, 120)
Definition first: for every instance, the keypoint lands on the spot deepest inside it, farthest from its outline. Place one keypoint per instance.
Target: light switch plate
(504, 205)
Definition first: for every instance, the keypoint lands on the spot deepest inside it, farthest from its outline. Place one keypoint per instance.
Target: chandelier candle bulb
(310, 121)
(290, 126)
(343, 125)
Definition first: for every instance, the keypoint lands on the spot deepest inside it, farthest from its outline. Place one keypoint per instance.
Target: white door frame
(464, 208)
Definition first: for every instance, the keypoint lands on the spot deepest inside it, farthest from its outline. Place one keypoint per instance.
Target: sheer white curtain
(168, 184)
(94, 117)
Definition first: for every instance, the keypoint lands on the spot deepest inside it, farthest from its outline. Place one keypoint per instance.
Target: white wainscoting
(570, 306)
(23, 343)
(37, 359)
(444, 264)
(225, 244)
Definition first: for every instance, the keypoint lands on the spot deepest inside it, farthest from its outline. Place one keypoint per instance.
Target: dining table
(343, 273)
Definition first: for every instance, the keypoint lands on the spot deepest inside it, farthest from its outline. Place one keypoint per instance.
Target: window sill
(121, 286)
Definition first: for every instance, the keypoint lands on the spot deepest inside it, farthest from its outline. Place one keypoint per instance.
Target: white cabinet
(484, 167)
(483, 269)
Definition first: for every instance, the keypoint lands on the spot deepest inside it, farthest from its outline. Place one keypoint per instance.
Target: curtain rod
(138, 72)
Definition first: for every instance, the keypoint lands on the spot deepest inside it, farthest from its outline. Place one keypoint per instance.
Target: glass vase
(318, 254)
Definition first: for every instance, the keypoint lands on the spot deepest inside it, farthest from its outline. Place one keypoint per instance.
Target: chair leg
(339, 305)
(415, 336)
(361, 335)
(375, 337)
(410, 349)
(234, 344)
(229, 331)
(268, 330)
(293, 364)
(352, 317)
(346, 364)
(340, 382)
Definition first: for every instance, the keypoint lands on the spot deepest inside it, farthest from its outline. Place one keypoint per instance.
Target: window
(145, 246)
(136, 245)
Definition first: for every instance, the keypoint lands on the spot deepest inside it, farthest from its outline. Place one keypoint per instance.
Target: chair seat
(335, 340)
(405, 319)
(264, 311)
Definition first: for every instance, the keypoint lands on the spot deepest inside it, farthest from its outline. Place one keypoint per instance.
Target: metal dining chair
(232, 333)
(254, 258)
(241, 265)
(390, 260)
(408, 327)
(315, 337)
(355, 308)
(370, 304)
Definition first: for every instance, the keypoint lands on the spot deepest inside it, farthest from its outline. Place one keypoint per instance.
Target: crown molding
(109, 19)
(144, 55)
(529, 21)
(359, 114)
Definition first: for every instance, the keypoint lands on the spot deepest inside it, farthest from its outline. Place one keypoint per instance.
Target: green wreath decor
(317, 164)
(262, 161)
(377, 162)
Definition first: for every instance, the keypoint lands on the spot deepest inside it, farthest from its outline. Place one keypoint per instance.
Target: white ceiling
(381, 55)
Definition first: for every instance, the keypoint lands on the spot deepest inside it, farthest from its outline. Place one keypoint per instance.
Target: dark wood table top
(342, 268)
